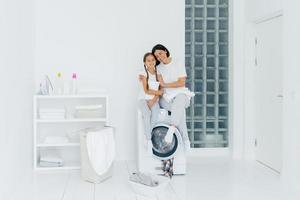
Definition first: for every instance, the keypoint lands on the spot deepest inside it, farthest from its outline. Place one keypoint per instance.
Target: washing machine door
(161, 149)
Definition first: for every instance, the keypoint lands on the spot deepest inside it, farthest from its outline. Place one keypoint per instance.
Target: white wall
(259, 9)
(104, 42)
(291, 137)
(256, 9)
(249, 151)
(236, 81)
(16, 86)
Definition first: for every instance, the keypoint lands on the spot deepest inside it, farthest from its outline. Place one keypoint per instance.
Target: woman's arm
(179, 83)
(149, 91)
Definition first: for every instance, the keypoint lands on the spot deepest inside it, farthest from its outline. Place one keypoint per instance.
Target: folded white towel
(50, 164)
(52, 113)
(89, 107)
(171, 93)
(52, 159)
(52, 117)
(50, 156)
(52, 110)
(55, 139)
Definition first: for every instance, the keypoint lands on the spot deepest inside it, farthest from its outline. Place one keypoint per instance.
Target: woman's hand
(161, 81)
(179, 83)
(141, 78)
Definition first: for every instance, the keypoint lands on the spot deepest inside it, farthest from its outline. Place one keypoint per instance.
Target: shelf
(67, 166)
(69, 96)
(58, 145)
(68, 150)
(71, 120)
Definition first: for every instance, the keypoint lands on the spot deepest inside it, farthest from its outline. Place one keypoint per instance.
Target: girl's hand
(160, 92)
(152, 101)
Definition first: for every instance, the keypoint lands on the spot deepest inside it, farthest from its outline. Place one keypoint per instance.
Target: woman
(176, 97)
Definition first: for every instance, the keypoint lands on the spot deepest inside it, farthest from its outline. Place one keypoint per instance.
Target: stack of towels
(88, 111)
(56, 139)
(50, 159)
(52, 113)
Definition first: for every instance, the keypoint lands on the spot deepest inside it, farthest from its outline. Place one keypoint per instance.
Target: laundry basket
(97, 149)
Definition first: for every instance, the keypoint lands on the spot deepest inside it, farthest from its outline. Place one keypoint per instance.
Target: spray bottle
(59, 84)
(74, 83)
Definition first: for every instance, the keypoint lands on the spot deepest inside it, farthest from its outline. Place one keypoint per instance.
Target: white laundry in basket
(97, 153)
(101, 149)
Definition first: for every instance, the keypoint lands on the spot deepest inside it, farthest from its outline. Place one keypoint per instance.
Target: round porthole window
(161, 148)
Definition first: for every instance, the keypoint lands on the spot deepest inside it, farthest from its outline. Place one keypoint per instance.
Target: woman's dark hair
(160, 47)
(144, 60)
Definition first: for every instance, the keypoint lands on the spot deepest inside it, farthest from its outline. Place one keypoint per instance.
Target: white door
(268, 93)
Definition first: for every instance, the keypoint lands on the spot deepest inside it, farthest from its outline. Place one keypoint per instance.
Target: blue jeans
(178, 117)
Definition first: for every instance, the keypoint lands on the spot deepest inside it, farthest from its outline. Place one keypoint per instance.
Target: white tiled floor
(207, 179)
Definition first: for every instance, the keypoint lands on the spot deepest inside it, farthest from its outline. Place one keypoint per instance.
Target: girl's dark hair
(144, 60)
(160, 47)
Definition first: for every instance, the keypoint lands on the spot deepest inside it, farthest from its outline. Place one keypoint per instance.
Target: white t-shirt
(171, 72)
(152, 83)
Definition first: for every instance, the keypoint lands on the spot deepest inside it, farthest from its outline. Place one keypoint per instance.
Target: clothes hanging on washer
(168, 167)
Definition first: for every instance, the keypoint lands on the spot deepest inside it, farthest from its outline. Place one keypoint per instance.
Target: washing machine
(152, 163)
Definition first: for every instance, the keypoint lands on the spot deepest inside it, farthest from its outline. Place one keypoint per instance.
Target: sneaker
(169, 135)
(187, 146)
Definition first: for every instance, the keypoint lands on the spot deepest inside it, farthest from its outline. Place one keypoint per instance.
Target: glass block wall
(206, 59)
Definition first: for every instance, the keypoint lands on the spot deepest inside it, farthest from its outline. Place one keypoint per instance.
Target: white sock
(169, 135)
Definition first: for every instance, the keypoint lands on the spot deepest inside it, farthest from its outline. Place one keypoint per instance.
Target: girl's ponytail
(144, 60)
(156, 76)
(147, 78)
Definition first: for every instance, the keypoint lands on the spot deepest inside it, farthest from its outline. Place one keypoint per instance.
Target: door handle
(279, 96)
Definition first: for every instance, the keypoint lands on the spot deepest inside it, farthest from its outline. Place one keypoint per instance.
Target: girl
(149, 96)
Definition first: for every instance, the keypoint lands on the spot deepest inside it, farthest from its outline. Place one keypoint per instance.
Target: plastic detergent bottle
(74, 83)
(67, 89)
(59, 84)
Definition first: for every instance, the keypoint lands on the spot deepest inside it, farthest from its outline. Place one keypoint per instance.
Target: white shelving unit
(68, 127)
(71, 120)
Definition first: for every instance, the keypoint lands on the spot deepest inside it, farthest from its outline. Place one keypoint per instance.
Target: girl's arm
(149, 91)
(152, 101)
(179, 83)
